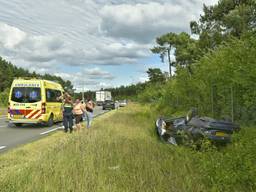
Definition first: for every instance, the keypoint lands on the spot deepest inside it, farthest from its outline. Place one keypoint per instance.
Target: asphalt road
(12, 136)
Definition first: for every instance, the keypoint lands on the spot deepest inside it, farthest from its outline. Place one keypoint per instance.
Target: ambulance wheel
(18, 124)
(50, 121)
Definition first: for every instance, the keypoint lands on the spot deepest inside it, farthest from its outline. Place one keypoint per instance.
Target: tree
(225, 19)
(155, 75)
(184, 48)
(165, 45)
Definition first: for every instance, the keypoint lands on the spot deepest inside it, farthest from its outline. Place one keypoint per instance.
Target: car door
(58, 105)
(51, 103)
(25, 102)
(33, 103)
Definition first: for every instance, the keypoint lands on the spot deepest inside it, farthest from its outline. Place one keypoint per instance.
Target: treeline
(127, 92)
(216, 71)
(118, 93)
(8, 72)
(131, 92)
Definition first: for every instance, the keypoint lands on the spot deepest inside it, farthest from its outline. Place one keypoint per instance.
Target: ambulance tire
(18, 124)
(50, 121)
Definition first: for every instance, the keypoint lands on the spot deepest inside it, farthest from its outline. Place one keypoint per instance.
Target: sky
(93, 43)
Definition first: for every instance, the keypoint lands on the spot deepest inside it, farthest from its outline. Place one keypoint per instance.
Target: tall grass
(121, 153)
(3, 110)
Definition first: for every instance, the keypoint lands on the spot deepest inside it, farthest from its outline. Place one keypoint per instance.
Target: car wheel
(18, 124)
(50, 121)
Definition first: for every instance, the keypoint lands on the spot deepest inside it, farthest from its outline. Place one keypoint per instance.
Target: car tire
(50, 121)
(18, 124)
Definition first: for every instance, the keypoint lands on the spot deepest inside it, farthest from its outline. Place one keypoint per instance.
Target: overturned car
(194, 128)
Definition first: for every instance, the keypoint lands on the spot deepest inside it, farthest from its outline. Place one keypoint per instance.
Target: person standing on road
(78, 111)
(89, 112)
(67, 113)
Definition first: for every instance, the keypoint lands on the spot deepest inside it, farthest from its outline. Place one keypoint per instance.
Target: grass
(3, 110)
(122, 153)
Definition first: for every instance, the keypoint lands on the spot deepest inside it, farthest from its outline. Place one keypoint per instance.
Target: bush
(222, 84)
(231, 168)
(4, 97)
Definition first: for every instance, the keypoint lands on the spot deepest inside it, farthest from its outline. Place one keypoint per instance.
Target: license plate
(220, 134)
(18, 116)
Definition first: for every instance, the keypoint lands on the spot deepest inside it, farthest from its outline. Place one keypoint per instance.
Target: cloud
(10, 36)
(143, 79)
(51, 36)
(142, 22)
(98, 32)
(47, 50)
(117, 53)
(28, 47)
(97, 73)
(89, 78)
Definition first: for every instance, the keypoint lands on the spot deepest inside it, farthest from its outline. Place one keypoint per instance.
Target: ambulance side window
(58, 94)
(52, 95)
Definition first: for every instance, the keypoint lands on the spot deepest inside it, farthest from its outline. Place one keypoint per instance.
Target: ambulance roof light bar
(27, 78)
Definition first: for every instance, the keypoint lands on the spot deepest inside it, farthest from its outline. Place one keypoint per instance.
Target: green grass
(122, 153)
(3, 110)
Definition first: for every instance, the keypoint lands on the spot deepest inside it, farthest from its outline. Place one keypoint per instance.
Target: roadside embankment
(122, 153)
(3, 111)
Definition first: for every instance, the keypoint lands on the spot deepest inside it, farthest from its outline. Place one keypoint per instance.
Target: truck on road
(102, 96)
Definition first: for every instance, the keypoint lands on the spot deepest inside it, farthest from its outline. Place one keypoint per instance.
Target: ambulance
(35, 101)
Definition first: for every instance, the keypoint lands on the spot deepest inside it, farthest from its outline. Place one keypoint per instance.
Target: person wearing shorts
(78, 111)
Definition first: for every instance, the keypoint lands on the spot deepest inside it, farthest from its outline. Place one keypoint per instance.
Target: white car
(122, 103)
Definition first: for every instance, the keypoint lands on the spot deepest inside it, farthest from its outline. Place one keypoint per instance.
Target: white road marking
(3, 126)
(61, 127)
(50, 130)
(3, 117)
(2, 147)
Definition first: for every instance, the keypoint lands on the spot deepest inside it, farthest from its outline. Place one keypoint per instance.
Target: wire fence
(230, 102)
(233, 102)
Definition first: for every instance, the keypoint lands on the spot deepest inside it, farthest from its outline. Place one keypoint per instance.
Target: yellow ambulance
(34, 100)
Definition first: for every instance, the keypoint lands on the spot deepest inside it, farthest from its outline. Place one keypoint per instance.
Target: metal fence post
(232, 102)
(212, 100)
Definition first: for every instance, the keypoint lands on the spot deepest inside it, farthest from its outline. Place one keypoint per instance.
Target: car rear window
(26, 94)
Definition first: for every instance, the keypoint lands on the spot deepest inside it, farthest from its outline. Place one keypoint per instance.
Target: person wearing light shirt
(78, 111)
